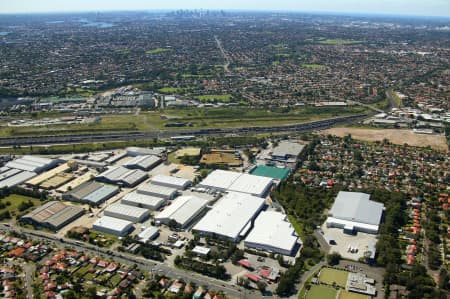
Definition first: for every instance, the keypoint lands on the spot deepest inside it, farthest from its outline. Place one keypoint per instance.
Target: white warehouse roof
(122, 175)
(252, 184)
(356, 207)
(126, 212)
(182, 210)
(157, 190)
(231, 215)
(32, 164)
(144, 162)
(148, 234)
(237, 182)
(112, 225)
(272, 232)
(171, 181)
(146, 201)
(219, 179)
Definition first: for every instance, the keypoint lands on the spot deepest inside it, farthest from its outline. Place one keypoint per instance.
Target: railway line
(137, 135)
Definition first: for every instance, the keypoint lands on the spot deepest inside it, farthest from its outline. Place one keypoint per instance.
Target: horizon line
(317, 12)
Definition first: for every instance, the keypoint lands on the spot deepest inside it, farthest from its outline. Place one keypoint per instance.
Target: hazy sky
(408, 7)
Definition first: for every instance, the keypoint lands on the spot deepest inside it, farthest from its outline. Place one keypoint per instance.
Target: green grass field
(171, 89)
(339, 42)
(15, 200)
(330, 276)
(215, 97)
(157, 51)
(313, 66)
(343, 294)
(321, 292)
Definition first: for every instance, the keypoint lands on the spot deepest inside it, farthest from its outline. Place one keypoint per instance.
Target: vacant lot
(395, 136)
(14, 202)
(322, 292)
(333, 276)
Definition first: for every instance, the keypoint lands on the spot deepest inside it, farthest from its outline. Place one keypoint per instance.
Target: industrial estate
(215, 154)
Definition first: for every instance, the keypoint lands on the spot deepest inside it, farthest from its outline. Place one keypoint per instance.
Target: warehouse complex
(122, 176)
(232, 217)
(183, 210)
(114, 226)
(354, 211)
(222, 180)
(53, 215)
(126, 212)
(93, 193)
(45, 176)
(273, 233)
(10, 177)
(32, 164)
(171, 182)
(23, 169)
(144, 162)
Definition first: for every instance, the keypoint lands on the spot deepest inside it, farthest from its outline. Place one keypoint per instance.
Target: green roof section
(271, 172)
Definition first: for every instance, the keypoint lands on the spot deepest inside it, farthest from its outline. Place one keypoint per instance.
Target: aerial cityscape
(225, 150)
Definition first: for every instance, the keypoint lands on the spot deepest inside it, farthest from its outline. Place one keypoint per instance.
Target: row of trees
(216, 271)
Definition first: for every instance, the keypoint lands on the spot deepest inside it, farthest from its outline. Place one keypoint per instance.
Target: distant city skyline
(396, 7)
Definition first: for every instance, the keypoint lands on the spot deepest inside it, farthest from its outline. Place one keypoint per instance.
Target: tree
(91, 292)
(261, 286)
(333, 259)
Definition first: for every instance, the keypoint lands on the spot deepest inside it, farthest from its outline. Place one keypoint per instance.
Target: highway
(141, 136)
(143, 264)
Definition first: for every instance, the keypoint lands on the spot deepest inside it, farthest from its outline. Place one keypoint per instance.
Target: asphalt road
(29, 275)
(133, 136)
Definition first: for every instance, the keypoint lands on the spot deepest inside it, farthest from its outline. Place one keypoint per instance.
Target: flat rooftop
(230, 215)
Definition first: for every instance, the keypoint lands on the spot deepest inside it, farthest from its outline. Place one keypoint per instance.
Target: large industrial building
(272, 232)
(183, 210)
(223, 180)
(158, 191)
(232, 217)
(354, 211)
(10, 177)
(114, 226)
(76, 182)
(133, 151)
(32, 164)
(123, 176)
(53, 215)
(287, 150)
(144, 162)
(93, 193)
(126, 212)
(171, 182)
(145, 201)
(45, 176)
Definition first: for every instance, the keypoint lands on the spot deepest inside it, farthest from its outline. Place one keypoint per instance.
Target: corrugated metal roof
(182, 209)
(230, 215)
(357, 207)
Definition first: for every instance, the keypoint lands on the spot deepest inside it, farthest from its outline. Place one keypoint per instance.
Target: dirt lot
(395, 136)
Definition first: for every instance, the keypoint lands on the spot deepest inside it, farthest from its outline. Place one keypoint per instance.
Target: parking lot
(361, 241)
